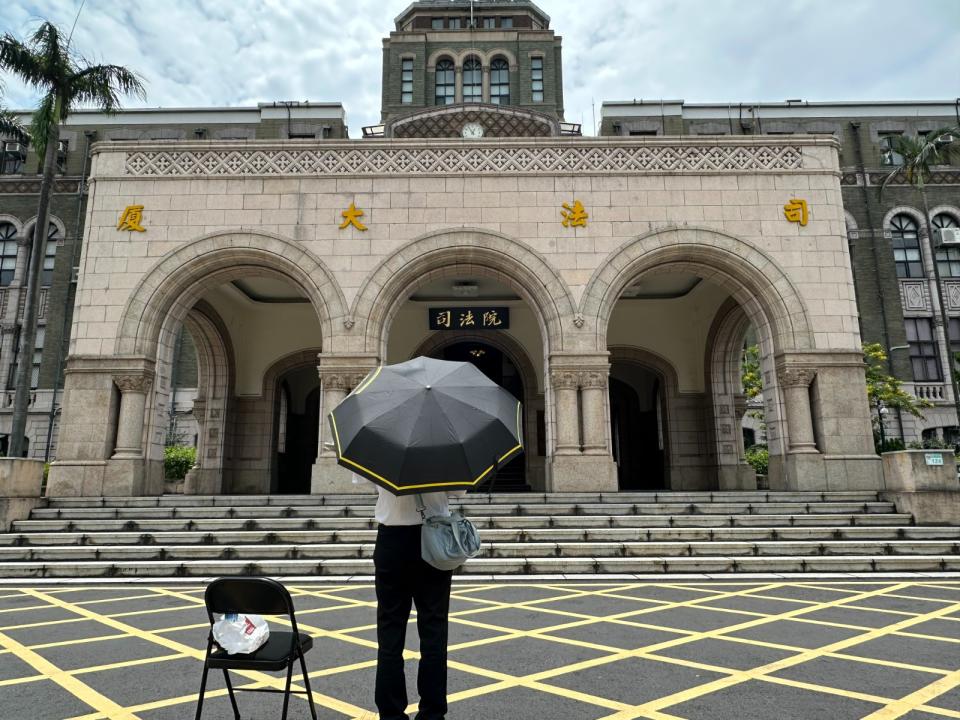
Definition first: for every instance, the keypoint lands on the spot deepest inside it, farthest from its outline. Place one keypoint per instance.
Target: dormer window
(489, 23)
(454, 23)
(506, 22)
(436, 24)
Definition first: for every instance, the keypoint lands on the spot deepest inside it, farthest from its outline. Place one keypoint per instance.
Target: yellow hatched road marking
(72, 685)
(329, 702)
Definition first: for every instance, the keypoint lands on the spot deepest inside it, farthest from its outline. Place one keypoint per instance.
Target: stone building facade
(892, 249)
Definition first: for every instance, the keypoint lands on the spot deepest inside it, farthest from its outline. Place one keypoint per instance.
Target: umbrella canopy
(426, 425)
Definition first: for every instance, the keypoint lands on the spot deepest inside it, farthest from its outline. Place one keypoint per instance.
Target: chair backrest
(255, 595)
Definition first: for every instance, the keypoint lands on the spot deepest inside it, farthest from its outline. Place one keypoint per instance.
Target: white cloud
(230, 52)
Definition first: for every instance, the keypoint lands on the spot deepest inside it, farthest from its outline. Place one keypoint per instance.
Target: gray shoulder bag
(446, 543)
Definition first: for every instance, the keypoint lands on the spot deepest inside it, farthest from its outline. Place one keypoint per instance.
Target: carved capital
(565, 379)
(8, 328)
(796, 377)
(593, 379)
(132, 383)
(343, 380)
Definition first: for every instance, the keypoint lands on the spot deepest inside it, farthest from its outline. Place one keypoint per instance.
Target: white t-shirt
(402, 510)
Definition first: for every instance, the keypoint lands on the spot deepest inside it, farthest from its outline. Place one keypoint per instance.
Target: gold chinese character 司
(130, 218)
(575, 216)
(351, 216)
(796, 211)
(491, 319)
(466, 319)
(443, 318)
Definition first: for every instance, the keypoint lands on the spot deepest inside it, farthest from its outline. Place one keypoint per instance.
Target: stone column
(485, 86)
(458, 84)
(576, 466)
(595, 432)
(133, 404)
(125, 473)
(795, 383)
(193, 482)
(339, 374)
(565, 384)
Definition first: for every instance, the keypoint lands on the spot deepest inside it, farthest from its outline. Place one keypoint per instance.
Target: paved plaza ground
(876, 648)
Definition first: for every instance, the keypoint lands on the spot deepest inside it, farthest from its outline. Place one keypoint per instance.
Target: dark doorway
(497, 366)
(636, 421)
(296, 430)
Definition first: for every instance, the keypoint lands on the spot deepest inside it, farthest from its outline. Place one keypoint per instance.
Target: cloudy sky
(240, 52)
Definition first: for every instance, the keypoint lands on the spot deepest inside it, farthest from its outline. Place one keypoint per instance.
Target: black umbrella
(426, 425)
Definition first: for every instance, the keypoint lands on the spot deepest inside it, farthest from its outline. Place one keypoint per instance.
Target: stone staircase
(522, 533)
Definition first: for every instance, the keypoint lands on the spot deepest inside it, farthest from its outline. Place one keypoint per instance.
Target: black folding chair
(260, 596)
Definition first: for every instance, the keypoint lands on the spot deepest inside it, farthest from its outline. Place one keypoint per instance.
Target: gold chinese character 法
(491, 318)
(351, 216)
(444, 318)
(796, 211)
(575, 216)
(467, 319)
(131, 219)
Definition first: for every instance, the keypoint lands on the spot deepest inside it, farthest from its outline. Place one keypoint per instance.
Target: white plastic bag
(239, 633)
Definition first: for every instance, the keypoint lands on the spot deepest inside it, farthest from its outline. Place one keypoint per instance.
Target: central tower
(456, 68)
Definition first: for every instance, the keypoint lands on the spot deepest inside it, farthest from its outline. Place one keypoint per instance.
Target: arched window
(906, 246)
(446, 82)
(8, 253)
(500, 82)
(49, 254)
(472, 80)
(948, 258)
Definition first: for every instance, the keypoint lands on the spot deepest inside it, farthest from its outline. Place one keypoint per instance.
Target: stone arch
(753, 278)
(28, 226)
(455, 252)
(951, 210)
(12, 220)
(178, 280)
(492, 55)
(851, 222)
(442, 53)
(915, 214)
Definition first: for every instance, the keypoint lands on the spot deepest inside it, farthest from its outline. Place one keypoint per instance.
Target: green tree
(885, 390)
(752, 378)
(64, 81)
(10, 123)
(921, 154)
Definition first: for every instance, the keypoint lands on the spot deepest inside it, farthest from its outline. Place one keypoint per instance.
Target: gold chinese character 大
(467, 319)
(351, 216)
(131, 219)
(796, 211)
(492, 319)
(444, 318)
(575, 216)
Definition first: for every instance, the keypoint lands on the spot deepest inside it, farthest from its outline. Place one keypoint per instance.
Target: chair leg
(306, 683)
(286, 690)
(233, 699)
(203, 688)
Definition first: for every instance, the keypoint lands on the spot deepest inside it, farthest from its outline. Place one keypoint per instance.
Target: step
(523, 522)
(470, 498)
(484, 566)
(528, 550)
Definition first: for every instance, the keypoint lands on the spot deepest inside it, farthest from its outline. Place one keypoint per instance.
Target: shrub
(177, 461)
(758, 457)
(889, 445)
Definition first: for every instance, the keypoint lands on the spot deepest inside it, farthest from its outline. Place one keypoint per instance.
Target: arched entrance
(296, 427)
(497, 365)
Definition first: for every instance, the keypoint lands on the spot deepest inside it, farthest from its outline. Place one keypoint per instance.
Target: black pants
(403, 577)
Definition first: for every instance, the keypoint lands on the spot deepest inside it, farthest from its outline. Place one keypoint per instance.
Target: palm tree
(10, 124)
(920, 155)
(64, 80)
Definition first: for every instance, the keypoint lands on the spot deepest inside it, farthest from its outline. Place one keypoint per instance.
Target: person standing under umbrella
(421, 429)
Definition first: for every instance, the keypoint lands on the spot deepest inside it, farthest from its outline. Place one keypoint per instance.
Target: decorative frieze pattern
(531, 159)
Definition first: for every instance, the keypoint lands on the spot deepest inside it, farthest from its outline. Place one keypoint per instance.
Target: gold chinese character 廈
(444, 318)
(491, 319)
(466, 319)
(351, 216)
(796, 211)
(575, 216)
(131, 219)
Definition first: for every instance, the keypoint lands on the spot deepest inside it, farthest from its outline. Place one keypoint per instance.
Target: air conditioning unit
(949, 237)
